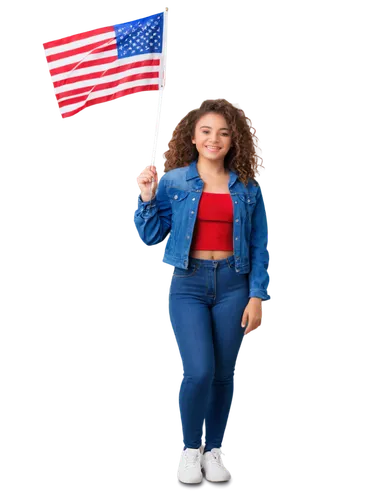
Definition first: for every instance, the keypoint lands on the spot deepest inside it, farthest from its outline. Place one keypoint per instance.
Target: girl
(210, 203)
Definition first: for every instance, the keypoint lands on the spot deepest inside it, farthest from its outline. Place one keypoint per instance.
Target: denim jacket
(174, 210)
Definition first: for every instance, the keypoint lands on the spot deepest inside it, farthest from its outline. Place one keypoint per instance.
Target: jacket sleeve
(153, 219)
(259, 256)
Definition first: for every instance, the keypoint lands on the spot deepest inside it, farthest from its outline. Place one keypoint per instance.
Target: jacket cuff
(144, 207)
(259, 294)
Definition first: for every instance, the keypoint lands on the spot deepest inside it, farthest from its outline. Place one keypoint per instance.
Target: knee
(224, 374)
(222, 377)
(201, 378)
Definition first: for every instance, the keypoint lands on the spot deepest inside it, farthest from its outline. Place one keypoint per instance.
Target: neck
(214, 168)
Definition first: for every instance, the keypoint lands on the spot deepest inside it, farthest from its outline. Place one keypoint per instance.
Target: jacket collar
(193, 173)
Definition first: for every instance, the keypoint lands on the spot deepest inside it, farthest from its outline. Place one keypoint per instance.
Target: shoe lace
(191, 458)
(216, 457)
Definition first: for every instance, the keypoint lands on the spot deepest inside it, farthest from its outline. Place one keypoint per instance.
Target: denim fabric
(174, 210)
(206, 304)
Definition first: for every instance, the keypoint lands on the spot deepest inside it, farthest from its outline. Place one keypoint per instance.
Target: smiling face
(212, 137)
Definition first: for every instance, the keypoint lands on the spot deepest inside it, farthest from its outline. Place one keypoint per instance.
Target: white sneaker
(189, 470)
(213, 467)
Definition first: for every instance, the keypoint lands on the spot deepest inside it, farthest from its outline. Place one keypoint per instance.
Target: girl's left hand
(252, 314)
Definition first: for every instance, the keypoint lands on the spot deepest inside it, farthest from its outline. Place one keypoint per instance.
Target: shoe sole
(191, 486)
(221, 484)
(190, 482)
(214, 480)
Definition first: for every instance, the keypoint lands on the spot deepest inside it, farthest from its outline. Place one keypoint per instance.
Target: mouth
(213, 149)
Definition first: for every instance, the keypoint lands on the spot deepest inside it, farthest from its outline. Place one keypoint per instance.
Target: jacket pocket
(248, 199)
(247, 202)
(178, 198)
(176, 195)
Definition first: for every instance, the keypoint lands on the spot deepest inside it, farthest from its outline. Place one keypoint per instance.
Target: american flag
(107, 63)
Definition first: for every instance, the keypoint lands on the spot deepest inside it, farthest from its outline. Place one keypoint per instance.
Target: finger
(244, 319)
(144, 178)
(248, 329)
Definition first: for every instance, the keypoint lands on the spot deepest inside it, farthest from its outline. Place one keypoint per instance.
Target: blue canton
(142, 36)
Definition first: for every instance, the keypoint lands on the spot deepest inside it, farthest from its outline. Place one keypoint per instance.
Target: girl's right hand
(144, 182)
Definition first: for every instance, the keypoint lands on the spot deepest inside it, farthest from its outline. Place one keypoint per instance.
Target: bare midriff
(210, 254)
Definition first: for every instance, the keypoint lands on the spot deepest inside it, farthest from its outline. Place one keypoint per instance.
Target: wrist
(255, 299)
(146, 197)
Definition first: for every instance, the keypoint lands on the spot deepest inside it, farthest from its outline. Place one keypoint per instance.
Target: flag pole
(163, 60)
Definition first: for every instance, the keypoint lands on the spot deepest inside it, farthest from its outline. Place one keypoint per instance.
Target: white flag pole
(163, 60)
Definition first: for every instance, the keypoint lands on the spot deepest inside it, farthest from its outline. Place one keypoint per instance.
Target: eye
(206, 131)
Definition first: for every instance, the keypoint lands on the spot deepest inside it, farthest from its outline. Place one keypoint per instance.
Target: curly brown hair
(241, 157)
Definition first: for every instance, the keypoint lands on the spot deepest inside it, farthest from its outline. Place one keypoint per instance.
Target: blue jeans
(206, 304)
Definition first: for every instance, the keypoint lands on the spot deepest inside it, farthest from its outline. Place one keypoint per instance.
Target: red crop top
(214, 224)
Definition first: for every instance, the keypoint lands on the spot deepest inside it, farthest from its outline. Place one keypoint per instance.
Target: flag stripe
(92, 48)
(118, 75)
(69, 90)
(77, 60)
(109, 69)
(93, 93)
(67, 68)
(76, 39)
(131, 90)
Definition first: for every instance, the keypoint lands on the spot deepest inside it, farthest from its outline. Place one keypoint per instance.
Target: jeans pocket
(185, 273)
(231, 265)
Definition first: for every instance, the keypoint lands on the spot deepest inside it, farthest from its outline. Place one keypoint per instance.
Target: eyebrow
(206, 126)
